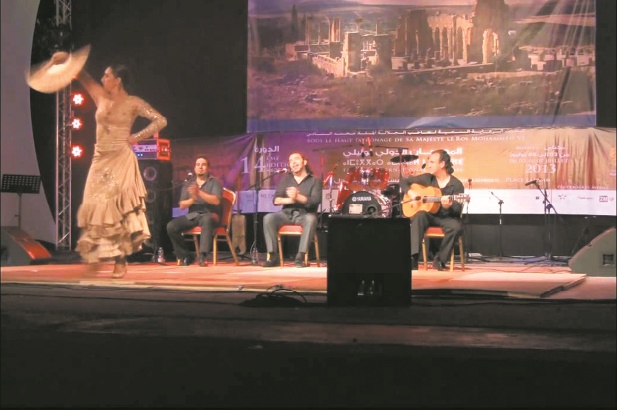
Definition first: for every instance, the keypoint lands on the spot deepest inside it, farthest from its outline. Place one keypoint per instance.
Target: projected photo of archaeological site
(398, 64)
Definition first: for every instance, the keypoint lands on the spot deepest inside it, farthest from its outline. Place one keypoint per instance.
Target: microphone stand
(329, 182)
(257, 186)
(548, 227)
(467, 226)
(500, 202)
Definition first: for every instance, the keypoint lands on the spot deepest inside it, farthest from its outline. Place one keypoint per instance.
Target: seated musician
(300, 194)
(445, 212)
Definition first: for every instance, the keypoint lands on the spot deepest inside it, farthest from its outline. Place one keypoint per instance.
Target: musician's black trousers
(207, 221)
(274, 221)
(420, 222)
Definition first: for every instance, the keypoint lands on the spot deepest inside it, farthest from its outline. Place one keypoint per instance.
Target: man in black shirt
(438, 175)
(299, 191)
(202, 196)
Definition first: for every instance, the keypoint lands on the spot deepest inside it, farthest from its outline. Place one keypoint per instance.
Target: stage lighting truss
(63, 141)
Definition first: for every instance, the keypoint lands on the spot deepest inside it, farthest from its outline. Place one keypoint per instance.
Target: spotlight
(76, 123)
(78, 99)
(77, 151)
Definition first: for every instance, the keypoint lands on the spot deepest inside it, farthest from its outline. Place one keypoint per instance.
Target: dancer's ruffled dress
(112, 215)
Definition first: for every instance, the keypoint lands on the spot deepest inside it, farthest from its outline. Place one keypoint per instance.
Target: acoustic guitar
(426, 198)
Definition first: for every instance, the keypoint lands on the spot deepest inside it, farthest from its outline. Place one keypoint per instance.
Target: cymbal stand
(322, 165)
(330, 183)
(327, 182)
(329, 178)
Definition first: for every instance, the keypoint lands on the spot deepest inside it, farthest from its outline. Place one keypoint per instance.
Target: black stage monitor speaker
(369, 261)
(19, 248)
(598, 257)
(157, 176)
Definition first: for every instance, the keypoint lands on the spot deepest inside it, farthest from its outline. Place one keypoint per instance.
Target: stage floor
(498, 335)
(506, 279)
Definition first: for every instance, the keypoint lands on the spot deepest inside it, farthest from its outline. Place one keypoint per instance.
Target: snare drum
(379, 178)
(367, 203)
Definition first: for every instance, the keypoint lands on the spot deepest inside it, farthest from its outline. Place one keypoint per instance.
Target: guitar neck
(456, 198)
(431, 199)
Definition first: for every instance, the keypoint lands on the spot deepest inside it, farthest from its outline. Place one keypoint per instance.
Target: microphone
(469, 181)
(534, 182)
(423, 165)
(281, 171)
(362, 143)
(370, 146)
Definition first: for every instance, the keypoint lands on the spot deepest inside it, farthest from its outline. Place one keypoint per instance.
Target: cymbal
(404, 158)
(49, 78)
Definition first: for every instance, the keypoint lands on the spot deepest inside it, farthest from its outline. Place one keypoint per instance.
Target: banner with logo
(563, 170)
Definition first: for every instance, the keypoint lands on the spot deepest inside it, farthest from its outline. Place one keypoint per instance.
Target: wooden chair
(222, 231)
(437, 232)
(296, 230)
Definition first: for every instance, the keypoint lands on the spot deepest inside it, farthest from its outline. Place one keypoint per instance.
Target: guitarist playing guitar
(433, 199)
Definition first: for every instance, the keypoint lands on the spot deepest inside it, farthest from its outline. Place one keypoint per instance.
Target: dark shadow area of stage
(66, 346)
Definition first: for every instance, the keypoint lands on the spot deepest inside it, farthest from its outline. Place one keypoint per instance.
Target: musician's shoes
(272, 261)
(438, 264)
(186, 261)
(299, 261)
(202, 260)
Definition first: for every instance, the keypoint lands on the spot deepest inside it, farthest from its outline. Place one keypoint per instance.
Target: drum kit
(366, 191)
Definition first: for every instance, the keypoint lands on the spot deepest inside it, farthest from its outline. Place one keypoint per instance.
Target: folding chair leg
(215, 252)
(233, 251)
(462, 251)
(196, 239)
(306, 256)
(316, 243)
(278, 238)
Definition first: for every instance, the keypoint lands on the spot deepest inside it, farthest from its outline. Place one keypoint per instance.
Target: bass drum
(367, 203)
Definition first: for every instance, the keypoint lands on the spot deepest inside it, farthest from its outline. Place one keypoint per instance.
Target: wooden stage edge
(512, 280)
